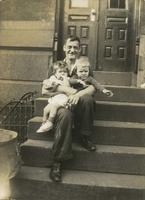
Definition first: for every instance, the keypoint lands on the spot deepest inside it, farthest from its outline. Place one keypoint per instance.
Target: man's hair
(59, 65)
(73, 38)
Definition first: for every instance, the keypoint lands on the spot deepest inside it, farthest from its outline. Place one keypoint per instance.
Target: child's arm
(58, 89)
(65, 81)
(49, 86)
(74, 82)
(98, 86)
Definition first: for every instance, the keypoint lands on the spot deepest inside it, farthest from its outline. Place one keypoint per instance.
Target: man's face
(82, 72)
(71, 49)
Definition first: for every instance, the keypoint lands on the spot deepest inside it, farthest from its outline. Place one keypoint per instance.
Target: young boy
(79, 81)
(82, 68)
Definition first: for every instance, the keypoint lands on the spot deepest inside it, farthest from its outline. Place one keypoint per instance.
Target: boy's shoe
(48, 125)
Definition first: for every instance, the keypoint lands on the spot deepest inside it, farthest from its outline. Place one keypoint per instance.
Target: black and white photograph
(72, 99)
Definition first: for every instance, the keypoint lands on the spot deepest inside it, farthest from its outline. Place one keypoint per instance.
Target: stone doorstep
(109, 111)
(33, 183)
(105, 132)
(107, 158)
(121, 94)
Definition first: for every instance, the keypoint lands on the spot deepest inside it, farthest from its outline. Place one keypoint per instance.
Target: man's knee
(86, 99)
(64, 114)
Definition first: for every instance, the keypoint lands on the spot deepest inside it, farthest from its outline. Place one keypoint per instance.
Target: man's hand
(66, 90)
(109, 93)
(73, 99)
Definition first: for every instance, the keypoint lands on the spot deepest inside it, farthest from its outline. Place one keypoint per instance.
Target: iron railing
(15, 115)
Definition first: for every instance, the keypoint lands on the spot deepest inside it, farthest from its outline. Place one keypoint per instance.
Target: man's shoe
(87, 144)
(55, 172)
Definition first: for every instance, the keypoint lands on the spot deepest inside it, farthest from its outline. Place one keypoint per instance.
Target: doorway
(107, 30)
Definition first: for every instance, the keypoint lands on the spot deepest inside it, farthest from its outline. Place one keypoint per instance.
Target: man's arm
(90, 90)
(73, 99)
(66, 90)
(57, 90)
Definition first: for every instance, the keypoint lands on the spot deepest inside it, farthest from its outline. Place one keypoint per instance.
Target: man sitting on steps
(84, 104)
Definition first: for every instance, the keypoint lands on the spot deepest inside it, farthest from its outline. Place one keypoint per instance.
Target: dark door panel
(106, 29)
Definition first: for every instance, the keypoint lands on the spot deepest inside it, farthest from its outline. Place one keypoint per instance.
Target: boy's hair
(73, 38)
(82, 61)
(59, 65)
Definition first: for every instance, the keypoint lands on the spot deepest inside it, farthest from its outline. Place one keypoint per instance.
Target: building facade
(32, 34)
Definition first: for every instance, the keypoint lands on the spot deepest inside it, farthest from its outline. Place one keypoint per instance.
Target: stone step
(108, 111)
(105, 132)
(33, 183)
(123, 94)
(107, 158)
(120, 111)
(114, 78)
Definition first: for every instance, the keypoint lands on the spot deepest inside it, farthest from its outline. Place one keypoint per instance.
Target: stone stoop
(114, 78)
(109, 110)
(105, 132)
(116, 171)
(107, 158)
(33, 183)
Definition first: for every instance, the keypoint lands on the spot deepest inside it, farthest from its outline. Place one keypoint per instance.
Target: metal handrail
(22, 99)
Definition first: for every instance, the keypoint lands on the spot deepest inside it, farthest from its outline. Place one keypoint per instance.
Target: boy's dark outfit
(89, 81)
(82, 117)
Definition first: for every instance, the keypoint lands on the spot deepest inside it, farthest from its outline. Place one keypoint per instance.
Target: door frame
(59, 32)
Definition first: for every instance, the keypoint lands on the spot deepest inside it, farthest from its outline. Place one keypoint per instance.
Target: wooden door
(116, 48)
(106, 29)
(80, 18)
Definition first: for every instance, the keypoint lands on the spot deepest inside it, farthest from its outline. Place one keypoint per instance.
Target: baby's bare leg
(49, 114)
(55, 103)
(53, 111)
(46, 112)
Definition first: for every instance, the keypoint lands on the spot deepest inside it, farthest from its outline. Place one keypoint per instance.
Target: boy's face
(60, 73)
(71, 49)
(82, 72)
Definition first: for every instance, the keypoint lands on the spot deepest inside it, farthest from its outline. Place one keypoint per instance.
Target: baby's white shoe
(48, 125)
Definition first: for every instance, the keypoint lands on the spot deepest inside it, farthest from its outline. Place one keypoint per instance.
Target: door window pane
(79, 3)
(113, 3)
(120, 4)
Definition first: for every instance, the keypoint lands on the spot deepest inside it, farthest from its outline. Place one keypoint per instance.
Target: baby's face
(82, 72)
(60, 73)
